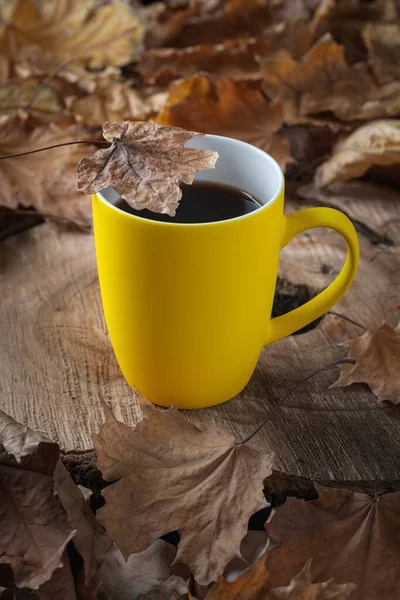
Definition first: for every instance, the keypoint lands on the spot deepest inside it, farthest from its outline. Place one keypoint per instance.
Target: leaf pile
(166, 476)
(303, 80)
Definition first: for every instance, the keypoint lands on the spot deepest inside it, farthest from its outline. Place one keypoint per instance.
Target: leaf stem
(343, 361)
(101, 142)
(333, 312)
(46, 81)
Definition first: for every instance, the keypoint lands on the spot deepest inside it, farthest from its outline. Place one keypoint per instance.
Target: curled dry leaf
(144, 164)
(302, 588)
(174, 588)
(51, 504)
(377, 356)
(61, 586)
(231, 108)
(377, 143)
(201, 483)
(34, 527)
(234, 59)
(212, 21)
(98, 35)
(16, 95)
(31, 61)
(324, 82)
(44, 180)
(114, 101)
(120, 579)
(349, 536)
(383, 43)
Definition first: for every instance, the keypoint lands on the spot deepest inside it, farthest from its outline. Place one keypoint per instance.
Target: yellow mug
(188, 306)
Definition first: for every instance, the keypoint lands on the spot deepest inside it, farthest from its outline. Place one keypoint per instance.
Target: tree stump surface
(57, 366)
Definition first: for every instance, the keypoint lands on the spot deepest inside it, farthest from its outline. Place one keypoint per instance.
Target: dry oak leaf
(60, 586)
(144, 164)
(323, 82)
(383, 43)
(114, 101)
(173, 476)
(376, 143)
(231, 108)
(377, 356)
(34, 527)
(44, 180)
(80, 29)
(350, 537)
(120, 579)
(174, 588)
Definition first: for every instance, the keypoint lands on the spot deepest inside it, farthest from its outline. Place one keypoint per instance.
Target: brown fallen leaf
(120, 579)
(44, 180)
(201, 483)
(60, 586)
(15, 96)
(254, 584)
(51, 503)
(302, 588)
(383, 43)
(34, 527)
(32, 61)
(98, 35)
(376, 143)
(174, 588)
(144, 164)
(90, 539)
(323, 82)
(231, 108)
(211, 22)
(377, 356)
(234, 59)
(349, 536)
(113, 101)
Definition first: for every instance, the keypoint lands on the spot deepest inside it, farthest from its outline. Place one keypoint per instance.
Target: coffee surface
(202, 202)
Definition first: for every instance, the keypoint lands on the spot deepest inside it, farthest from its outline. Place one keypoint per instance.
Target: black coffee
(202, 202)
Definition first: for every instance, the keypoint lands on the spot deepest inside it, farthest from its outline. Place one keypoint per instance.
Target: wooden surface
(56, 363)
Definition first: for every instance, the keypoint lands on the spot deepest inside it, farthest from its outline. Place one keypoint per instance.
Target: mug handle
(295, 223)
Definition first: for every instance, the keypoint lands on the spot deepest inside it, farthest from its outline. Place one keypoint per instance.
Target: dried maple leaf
(383, 43)
(376, 143)
(113, 101)
(173, 476)
(98, 35)
(377, 355)
(25, 454)
(324, 82)
(119, 579)
(254, 584)
(34, 527)
(231, 108)
(302, 588)
(44, 180)
(144, 164)
(349, 536)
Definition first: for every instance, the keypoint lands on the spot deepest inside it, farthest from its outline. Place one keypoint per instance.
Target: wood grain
(57, 366)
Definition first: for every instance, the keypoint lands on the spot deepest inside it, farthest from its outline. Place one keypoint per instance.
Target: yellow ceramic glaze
(188, 306)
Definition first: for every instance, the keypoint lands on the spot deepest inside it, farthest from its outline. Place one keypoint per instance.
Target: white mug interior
(240, 165)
